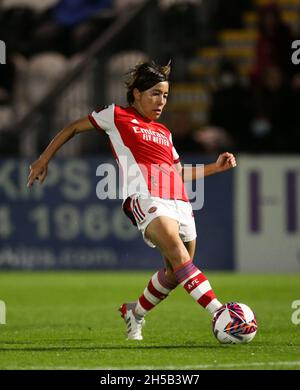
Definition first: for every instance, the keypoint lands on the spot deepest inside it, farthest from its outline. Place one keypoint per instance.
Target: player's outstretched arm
(224, 162)
(39, 168)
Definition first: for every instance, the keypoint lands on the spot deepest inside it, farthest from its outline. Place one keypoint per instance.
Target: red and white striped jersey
(144, 151)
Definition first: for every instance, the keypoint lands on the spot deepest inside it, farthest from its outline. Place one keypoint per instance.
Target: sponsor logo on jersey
(152, 210)
(152, 135)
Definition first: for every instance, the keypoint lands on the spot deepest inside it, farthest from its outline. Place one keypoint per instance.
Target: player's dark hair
(144, 76)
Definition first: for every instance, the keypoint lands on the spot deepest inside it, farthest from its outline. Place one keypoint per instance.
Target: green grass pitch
(69, 320)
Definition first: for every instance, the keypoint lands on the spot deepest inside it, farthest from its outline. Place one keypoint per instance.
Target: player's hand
(38, 171)
(225, 161)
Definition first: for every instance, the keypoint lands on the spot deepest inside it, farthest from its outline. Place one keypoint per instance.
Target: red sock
(197, 285)
(157, 289)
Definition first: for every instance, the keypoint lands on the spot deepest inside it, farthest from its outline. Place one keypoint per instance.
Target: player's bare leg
(191, 248)
(164, 233)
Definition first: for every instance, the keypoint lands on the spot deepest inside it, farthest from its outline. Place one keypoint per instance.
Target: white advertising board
(267, 214)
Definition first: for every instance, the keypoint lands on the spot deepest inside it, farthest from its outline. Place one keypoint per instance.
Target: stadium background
(65, 58)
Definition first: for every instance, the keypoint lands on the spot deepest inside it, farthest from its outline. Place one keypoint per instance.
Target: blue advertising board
(62, 224)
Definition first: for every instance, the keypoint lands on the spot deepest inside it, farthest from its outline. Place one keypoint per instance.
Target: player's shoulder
(105, 107)
(162, 127)
(121, 110)
(126, 114)
(112, 110)
(119, 113)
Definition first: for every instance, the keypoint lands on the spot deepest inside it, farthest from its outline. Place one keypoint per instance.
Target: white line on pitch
(187, 367)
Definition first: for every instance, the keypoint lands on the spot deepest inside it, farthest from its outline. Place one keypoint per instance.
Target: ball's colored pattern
(234, 323)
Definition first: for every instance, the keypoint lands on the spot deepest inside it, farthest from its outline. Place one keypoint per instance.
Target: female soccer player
(160, 207)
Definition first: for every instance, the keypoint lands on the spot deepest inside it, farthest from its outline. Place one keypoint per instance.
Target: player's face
(151, 102)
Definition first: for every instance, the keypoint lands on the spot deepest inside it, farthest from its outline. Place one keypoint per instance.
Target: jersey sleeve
(176, 157)
(103, 118)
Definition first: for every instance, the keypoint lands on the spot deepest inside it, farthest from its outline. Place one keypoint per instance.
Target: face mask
(261, 127)
(227, 79)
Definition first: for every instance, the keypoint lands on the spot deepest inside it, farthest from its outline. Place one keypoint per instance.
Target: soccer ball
(234, 323)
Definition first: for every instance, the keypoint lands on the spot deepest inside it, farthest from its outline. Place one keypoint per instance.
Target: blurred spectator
(274, 43)
(213, 140)
(229, 13)
(70, 26)
(8, 141)
(7, 77)
(231, 107)
(182, 127)
(271, 129)
(72, 12)
(180, 21)
(36, 4)
(121, 5)
(16, 25)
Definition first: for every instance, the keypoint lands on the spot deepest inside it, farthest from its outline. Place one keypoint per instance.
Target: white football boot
(133, 325)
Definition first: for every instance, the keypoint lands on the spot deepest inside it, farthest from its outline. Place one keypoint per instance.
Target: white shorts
(146, 210)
